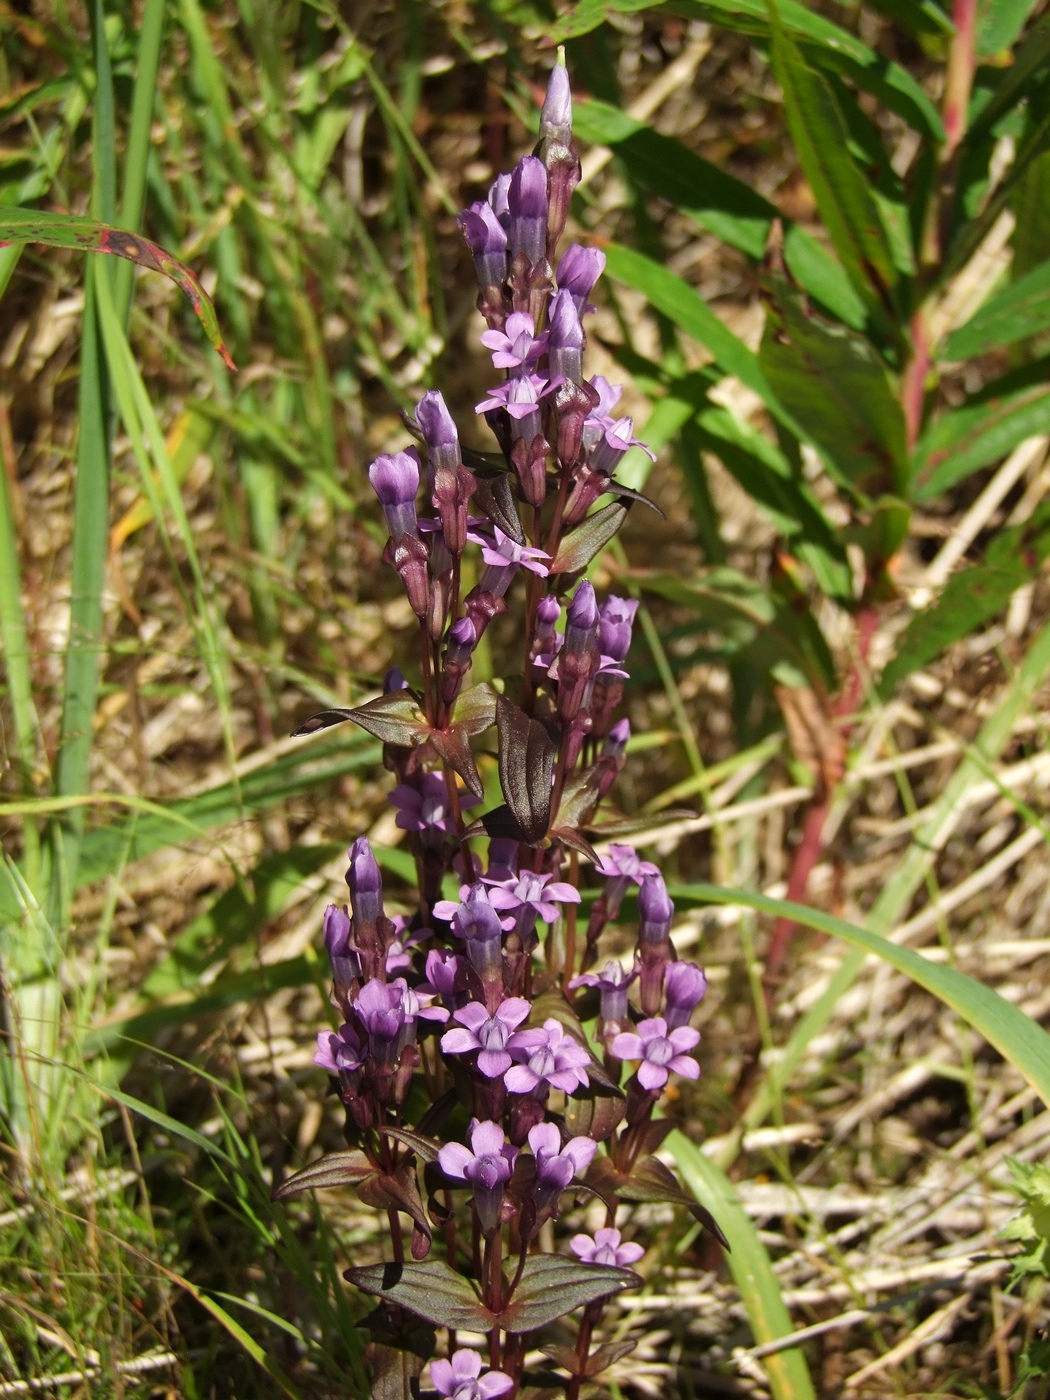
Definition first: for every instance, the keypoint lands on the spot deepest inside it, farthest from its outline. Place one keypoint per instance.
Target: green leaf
(475, 709)
(752, 1270)
(552, 1285)
(1031, 207)
(839, 391)
(682, 305)
(968, 438)
(526, 769)
(581, 544)
(1020, 311)
(999, 22)
(839, 187)
(1018, 1038)
(589, 14)
(432, 1290)
(395, 719)
(972, 597)
(88, 236)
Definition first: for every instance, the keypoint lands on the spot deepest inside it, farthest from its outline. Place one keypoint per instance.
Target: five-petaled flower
(546, 1056)
(531, 892)
(660, 1051)
(605, 1248)
(488, 1034)
(460, 1378)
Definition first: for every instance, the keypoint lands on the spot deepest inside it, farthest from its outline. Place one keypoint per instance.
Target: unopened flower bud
(395, 480)
(439, 433)
(578, 271)
(566, 339)
(486, 238)
(685, 985)
(527, 202)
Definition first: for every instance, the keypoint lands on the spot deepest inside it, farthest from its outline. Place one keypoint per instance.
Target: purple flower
(557, 1165)
(399, 954)
(556, 113)
(427, 810)
(546, 1056)
(624, 862)
(660, 1051)
(527, 203)
(439, 431)
(565, 338)
(443, 969)
(616, 741)
(395, 480)
(605, 1248)
(487, 1164)
(364, 882)
(612, 983)
(531, 892)
(685, 985)
(606, 454)
(503, 557)
(416, 1002)
(339, 1051)
(578, 271)
(459, 1378)
(486, 238)
(339, 945)
(381, 1013)
(615, 624)
(517, 346)
(488, 1034)
(478, 924)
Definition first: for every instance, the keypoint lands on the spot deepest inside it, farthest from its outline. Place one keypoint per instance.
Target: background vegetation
(828, 230)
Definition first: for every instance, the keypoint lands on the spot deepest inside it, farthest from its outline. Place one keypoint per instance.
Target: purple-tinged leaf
(425, 1148)
(396, 1353)
(336, 1169)
(399, 1191)
(453, 746)
(526, 768)
(581, 794)
(651, 1181)
(552, 1286)
(72, 231)
(597, 1362)
(595, 1116)
(496, 499)
(395, 719)
(575, 842)
(475, 710)
(433, 1291)
(499, 824)
(580, 545)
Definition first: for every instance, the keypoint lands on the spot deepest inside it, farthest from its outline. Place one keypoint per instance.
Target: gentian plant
(478, 1108)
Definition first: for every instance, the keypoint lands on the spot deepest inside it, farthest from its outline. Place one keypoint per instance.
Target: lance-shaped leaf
(399, 1191)
(87, 236)
(970, 437)
(581, 544)
(552, 1286)
(424, 1147)
(433, 1291)
(335, 1169)
(1020, 311)
(575, 842)
(595, 1116)
(839, 391)
(526, 768)
(597, 1362)
(839, 187)
(454, 747)
(395, 719)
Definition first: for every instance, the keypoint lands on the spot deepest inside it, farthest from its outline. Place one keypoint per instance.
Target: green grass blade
(133, 197)
(750, 1265)
(1016, 1036)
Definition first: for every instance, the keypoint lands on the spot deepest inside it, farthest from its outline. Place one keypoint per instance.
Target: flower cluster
(476, 1103)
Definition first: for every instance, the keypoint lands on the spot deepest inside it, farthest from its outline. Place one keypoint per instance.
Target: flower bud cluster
(460, 1054)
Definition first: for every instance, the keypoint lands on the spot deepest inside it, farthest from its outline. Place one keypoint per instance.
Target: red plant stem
(959, 77)
(810, 847)
(913, 381)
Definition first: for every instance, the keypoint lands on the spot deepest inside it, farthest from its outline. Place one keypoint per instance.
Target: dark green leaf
(335, 1169)
(526, 768)
(552, 1285)
(840, 392)
(1019, 311)
(432, 1291)
(1026, 67)
(424, 1147)
(839, 187)
(650, 1180)
(496, 499)
(1031, 207)
(580, 545)
(399, 1191)
(589, 14)
(968, 438)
